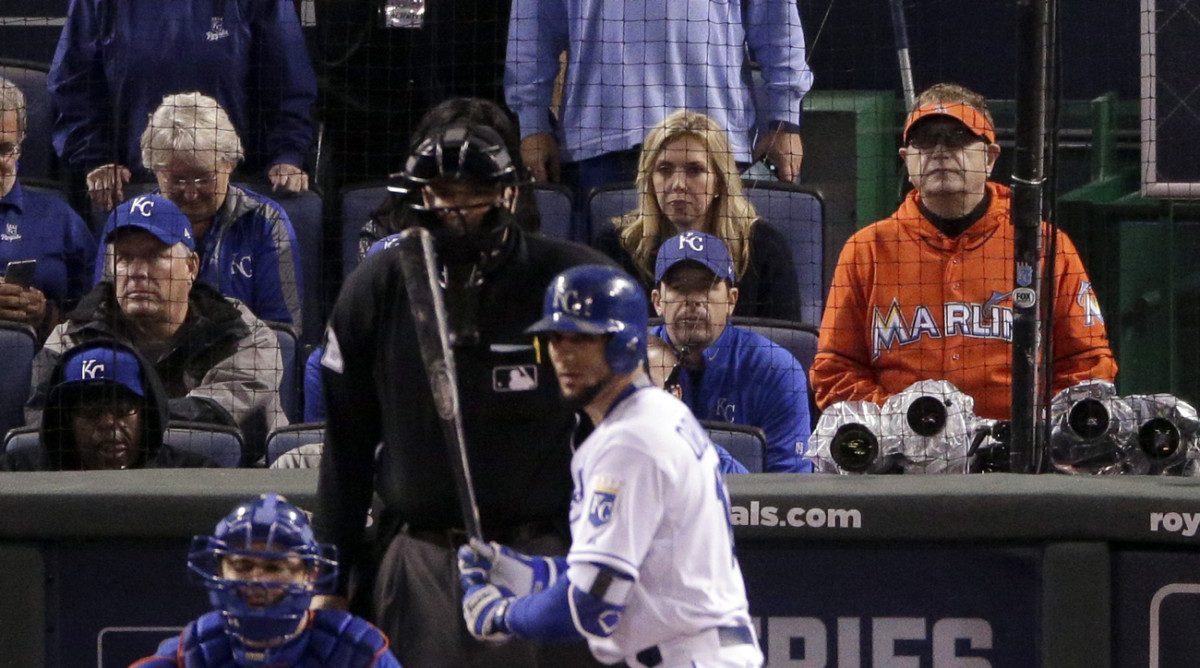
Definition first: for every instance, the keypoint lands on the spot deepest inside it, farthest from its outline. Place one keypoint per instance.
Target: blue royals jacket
(748, 379)
(39, 226)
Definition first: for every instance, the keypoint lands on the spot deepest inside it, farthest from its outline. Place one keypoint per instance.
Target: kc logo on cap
(158, 216)
(92, 363)
(698, 247)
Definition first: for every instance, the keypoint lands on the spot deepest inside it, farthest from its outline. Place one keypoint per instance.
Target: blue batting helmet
(599, 299)
(273, 537)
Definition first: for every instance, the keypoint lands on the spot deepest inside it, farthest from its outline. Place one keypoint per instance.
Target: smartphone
(20, 272)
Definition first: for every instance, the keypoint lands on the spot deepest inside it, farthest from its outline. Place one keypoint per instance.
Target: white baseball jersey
(650, 503)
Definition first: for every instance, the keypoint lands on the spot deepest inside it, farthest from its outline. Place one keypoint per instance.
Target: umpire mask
(460, 244)
(473, 156)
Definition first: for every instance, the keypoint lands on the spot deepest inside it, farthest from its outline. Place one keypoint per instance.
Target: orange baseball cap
(970, 117)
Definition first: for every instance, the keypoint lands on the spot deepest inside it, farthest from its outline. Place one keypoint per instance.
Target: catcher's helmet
(459, 151)
(266, 613)
(598, 299)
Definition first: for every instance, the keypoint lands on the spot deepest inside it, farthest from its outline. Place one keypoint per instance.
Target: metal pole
(1028, 179)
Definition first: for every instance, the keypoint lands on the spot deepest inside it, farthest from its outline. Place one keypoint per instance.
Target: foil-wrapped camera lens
(854, 448)
(926, 416)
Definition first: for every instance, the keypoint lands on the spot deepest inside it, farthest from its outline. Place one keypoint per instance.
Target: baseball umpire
(377, 390)
(651, 577)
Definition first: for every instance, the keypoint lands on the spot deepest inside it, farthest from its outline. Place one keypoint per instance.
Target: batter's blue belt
(727, 636)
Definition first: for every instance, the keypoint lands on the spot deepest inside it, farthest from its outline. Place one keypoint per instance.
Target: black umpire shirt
(517, 427)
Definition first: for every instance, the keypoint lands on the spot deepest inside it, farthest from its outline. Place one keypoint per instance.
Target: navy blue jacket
(334, 638)
(116, 60)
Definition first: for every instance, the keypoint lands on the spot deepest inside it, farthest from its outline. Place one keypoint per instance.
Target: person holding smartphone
(46, 250)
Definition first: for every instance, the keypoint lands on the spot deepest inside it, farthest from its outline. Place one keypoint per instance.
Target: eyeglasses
(202, 183)
(951, 139)
(9, 149)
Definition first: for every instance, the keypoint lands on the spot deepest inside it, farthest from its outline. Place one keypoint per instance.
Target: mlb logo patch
(516, 378)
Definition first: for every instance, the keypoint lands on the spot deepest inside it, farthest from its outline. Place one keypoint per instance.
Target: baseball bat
(418, 260)
(900, 33)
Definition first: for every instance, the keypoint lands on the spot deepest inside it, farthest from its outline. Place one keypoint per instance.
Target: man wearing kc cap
(729, 374)
(218, 362)
(106, 410)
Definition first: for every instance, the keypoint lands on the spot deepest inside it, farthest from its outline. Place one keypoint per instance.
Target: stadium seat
(800, 339)
(608, 202)
(798, 213)
(220, 443)
(293, 436)
(306, 211)
(37, 151)
(18, 343)
(47, 187)
(555, 204)
(359, 201)
(289, 393)
(21, 438)
(747, 444)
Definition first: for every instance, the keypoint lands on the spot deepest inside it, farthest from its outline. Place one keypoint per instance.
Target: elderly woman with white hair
(37, 227)
(116, 60)
(246, 243)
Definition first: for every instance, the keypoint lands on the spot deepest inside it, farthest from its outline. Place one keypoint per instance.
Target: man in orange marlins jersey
(927, 293)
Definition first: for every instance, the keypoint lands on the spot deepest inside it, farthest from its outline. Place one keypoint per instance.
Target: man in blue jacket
(729, 374)
(37, 226)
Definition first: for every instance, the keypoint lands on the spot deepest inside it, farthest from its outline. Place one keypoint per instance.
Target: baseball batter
(651, 577)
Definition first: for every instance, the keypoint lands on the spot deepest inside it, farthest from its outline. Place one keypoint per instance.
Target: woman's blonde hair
(730, 215)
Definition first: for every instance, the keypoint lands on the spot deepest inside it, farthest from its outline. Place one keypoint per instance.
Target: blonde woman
(687, 180)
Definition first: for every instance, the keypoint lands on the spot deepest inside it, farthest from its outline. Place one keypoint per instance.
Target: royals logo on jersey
(603, 498)
(10, 233)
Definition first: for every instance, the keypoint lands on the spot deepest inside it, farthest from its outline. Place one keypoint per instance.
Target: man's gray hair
(12, 99)
(189, 123)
